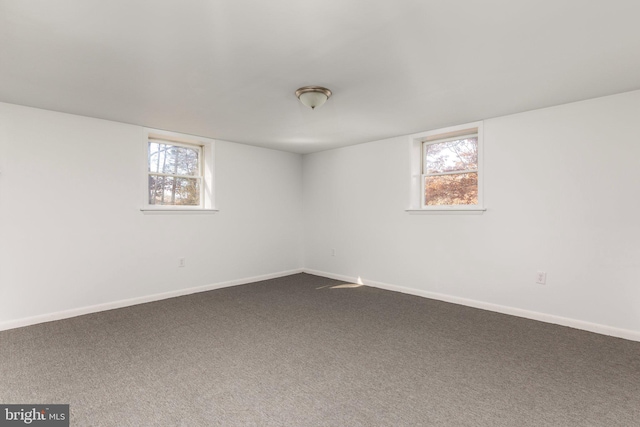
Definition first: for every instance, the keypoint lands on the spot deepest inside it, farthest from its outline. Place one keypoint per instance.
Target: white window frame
(417, 143)
(206, 164)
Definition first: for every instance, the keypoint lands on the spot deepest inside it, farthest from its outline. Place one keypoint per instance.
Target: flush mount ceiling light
(313, 96)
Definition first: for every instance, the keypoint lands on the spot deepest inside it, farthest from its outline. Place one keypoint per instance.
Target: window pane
(167, 190)
(454, 189)
(173, 159)
(449, 156)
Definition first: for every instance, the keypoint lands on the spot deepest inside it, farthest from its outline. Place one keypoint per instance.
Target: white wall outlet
(333, 252)
(541, 277)
(182, 262)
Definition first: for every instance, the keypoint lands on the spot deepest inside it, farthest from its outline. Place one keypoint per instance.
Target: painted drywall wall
(72, 234)
(562, 190)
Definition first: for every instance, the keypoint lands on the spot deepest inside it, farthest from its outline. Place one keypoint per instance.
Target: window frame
(418, 142)
(205, 166)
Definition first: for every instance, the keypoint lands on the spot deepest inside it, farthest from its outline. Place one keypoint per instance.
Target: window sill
(447, 211)
(169, 211)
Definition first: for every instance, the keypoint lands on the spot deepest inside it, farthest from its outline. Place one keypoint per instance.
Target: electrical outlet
(182, 262)
(541, 277)
(333, 252)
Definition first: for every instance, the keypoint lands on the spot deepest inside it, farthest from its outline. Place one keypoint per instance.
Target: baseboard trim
(49, 317)
(528, 314)
(534, 315)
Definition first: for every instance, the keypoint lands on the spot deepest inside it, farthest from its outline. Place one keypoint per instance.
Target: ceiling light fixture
(313, 96)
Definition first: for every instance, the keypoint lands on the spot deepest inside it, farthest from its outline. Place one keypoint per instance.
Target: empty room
(335, 213)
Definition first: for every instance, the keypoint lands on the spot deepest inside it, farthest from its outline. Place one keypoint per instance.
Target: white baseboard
(534, 315)
(49, 317)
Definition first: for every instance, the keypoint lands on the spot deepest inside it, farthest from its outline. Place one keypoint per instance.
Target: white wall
(562, 188)
(72, 234)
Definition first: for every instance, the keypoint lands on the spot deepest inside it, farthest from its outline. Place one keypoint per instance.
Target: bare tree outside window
(174, 174)
(450, 171)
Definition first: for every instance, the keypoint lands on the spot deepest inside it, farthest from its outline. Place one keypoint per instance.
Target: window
(175, 174)
(446, 169)
(179, 172)
(450, 171)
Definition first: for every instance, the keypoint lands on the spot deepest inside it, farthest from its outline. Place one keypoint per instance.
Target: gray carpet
(299, 351)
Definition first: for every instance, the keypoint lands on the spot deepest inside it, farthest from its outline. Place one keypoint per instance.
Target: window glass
(451, 189)
(174, 174)
(454, 155)
(173, 159)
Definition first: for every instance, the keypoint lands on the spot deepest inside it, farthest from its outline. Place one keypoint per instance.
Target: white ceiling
(228, 69)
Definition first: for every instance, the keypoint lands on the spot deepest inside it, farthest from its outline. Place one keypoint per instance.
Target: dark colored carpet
(304, 351)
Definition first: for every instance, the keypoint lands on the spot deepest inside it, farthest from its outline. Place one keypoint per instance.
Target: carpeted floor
(307, 351)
